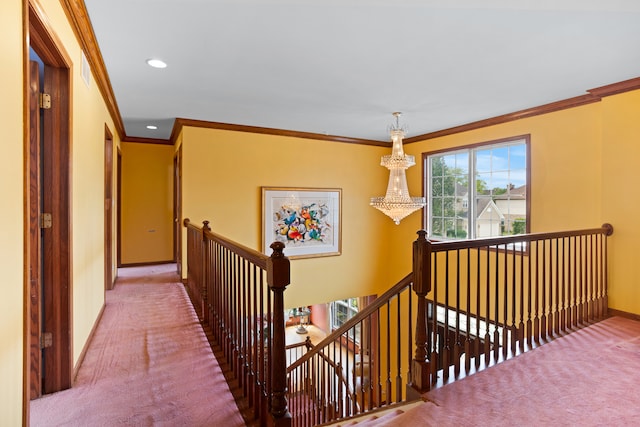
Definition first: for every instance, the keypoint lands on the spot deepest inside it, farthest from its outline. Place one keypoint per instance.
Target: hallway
(149, 363)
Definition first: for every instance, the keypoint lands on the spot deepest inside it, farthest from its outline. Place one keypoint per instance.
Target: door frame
(119, 207)
(177, 210)
(56, 171)
(108, 209)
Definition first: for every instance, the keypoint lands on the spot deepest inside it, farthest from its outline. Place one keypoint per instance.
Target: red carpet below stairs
(149, 363)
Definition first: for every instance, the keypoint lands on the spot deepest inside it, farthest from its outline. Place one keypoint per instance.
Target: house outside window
(478, 191)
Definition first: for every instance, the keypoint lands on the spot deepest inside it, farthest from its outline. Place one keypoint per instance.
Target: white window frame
(351, 312)
(470, 152)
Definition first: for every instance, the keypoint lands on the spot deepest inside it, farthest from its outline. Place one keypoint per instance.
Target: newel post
(206, 273)
(278, 277)
(421, 286)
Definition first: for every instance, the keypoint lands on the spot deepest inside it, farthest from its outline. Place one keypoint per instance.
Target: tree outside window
(477, 191)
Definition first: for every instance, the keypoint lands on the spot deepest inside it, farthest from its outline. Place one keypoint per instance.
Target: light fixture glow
(152, 127)
(156, 63)
(397, 204)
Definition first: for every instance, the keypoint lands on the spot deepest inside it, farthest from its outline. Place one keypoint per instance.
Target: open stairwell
(466, 305)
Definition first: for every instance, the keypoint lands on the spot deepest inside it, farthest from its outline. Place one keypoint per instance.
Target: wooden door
(48, 307)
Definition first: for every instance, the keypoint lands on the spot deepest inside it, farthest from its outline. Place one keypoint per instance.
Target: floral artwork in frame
(306, 220)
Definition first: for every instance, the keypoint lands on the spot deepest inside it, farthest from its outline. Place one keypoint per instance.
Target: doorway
(48, 367)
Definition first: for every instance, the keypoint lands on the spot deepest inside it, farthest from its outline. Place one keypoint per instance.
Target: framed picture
(306, 220)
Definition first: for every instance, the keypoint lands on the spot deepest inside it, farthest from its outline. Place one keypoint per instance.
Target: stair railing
(237, 293)
(476, 302)
(361, 366)
(497, 297)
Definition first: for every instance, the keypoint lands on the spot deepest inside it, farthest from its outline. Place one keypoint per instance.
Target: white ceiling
(341, 67)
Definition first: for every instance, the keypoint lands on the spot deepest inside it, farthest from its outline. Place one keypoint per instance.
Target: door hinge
(44, 99)
(45, 220)
(46, 340)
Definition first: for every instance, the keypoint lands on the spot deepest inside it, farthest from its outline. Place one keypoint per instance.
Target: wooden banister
(349, 324)
(466, 304)
(238, 293)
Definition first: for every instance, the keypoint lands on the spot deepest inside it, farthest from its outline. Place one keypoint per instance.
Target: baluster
(522, 291)
(605, 269)
(564, 281)
(580, 279)
(574, 282)
(487, 334)
(558, 309)
(476, 347)
(388, 341)
(446, 351)
(543, 302)
(496, 333)
(513, 328)
(529, 327)
(598, 276)
(505, 308)
(437, 343)
(205, 271)
(468, 341)
(591, 279)
(457, 345)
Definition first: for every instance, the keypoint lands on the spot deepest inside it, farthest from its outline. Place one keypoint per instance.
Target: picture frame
(307, 220)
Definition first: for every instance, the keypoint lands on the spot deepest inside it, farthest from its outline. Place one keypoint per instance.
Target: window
(478, 191)
(343, 310)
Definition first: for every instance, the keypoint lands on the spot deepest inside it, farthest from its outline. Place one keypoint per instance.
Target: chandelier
(397, 203)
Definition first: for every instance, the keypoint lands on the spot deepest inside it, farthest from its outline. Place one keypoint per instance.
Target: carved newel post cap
(205, 225)
(278, 250)
(422, 234)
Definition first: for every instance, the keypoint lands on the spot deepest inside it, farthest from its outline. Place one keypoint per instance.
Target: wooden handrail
(476, 302)
(251, 255)
(440, 246)
(359, 317)
(516, 291)
(236, 290)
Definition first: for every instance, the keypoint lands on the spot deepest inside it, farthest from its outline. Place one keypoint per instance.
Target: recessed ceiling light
(156, 63)
(152, 127)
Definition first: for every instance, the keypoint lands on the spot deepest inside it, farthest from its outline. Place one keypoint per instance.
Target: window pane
(436, 186)
(500, 159)
(436, 227)
(436, 207)
(500, 180)
(518, 157)
(449, 207)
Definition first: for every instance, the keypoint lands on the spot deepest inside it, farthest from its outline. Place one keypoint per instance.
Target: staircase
(465, 306)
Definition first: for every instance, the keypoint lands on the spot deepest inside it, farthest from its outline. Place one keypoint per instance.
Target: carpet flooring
(587, 378)
(149, 363)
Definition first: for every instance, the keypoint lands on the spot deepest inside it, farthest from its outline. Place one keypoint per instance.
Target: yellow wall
(147, 203)
(88, 116)
(620, 204)
(223, 172)
(11, 214)
(583, 167)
